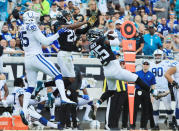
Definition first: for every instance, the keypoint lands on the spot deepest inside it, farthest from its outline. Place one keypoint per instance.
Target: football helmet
(93, 34)
(62, 17)
(158, 55)
(31, 17)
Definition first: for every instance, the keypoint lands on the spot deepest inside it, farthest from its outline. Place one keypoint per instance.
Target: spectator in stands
(134, 8)
(163, 28)
(4, 9)
(77, 16)
(177, 9)
(102, 5)
(147, 8)
(20, 20)
(118, 24)
(45, 7)
(6, 49)
(70, 6)
(46, 21)
(93, 10)
(137, 21)
(13, 28)
(161, 8)
(168, 52)
(139, 42)
(110, 7)
(61, 4)
(172, 18)
(176, 42)
(151, 41)
(10, 17)
(145, 20)
(53, 11)
(85, 45)
(154, 20)
(16, 11)
(5, 33)
(37, 6)
(26, 4)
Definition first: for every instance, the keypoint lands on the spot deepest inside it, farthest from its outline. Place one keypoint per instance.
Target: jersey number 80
(158, 72)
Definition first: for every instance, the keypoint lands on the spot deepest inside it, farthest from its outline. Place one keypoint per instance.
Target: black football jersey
(67, 41)
(102, 51)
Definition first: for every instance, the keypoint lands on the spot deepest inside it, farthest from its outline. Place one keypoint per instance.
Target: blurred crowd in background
(156, 22)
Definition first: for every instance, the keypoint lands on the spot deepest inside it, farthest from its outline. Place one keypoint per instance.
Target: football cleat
(52, 118)
(24, 120)
(67, 101)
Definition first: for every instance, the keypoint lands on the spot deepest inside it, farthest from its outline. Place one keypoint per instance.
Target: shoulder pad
(31, 27)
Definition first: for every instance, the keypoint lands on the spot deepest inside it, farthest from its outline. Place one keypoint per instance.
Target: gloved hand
(62, 30)
(154, 92)
(86, 97)
(174, 84)
(161, 94)
(92, 20)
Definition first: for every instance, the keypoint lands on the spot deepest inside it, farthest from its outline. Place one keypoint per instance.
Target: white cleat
(68, 101)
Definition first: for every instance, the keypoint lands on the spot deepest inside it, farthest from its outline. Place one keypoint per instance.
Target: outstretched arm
(73, 26)
(45, 40)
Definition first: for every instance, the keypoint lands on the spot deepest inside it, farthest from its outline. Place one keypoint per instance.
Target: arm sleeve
(45, 40)
(114, 42)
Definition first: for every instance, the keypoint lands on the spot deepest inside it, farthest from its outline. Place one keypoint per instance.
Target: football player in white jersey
(158, 68)
(18, 103)
(32, 40)
(172, 76)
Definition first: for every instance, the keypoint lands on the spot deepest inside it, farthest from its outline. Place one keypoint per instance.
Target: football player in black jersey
(68, 43)
(100, 46)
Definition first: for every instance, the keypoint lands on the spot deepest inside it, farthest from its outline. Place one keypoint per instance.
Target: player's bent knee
(30, 89)
(58, 77)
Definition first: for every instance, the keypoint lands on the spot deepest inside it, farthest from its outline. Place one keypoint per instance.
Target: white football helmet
(31, 17)
(95, 124)
(158, 55)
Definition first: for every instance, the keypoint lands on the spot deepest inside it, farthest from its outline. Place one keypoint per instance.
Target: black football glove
(174, 84)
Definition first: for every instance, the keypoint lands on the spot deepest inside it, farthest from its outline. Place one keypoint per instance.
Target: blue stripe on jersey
(45, 65)
(49, 64)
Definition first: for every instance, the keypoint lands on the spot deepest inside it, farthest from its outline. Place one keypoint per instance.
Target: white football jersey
(17, 92)
(2, 92)
(32, 38)
(159, 71)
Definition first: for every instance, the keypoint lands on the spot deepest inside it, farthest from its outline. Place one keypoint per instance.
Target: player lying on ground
(32, 114)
